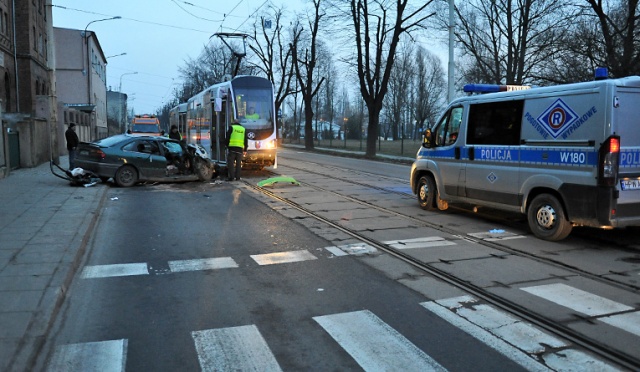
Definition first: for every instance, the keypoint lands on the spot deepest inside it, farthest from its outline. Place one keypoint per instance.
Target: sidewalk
(44, 227)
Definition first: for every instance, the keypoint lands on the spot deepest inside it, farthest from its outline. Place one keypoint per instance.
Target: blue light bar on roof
(492, 88)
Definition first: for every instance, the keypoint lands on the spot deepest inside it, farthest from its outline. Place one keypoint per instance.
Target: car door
(147, 157)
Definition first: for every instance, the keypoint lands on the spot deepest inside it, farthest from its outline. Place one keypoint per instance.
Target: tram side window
(495, 123)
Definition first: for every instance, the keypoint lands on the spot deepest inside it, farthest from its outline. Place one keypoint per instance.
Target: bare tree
(506, 40)
(212, 66)
(377, 36)
(396, 101)
(429, 88)
(619, 23)
(304, 61)
(274, 55)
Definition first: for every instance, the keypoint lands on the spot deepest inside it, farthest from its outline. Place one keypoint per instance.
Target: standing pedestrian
(72, 144)
(237, 144)
(174, 133)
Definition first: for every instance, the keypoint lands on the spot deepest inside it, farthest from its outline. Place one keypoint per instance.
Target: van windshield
(146, 128)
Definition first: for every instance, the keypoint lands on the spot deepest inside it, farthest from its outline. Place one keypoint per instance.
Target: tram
(247, 99)
(178, 117)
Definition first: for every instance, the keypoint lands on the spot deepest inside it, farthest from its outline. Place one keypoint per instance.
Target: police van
(564, 156)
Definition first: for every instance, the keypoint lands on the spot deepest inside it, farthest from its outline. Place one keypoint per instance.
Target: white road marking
(375, 345)
(522, 335)
(202, 264)
(491, 236)
(426, 242)
(573, 360)
(234, 349)
(576, 299)
(283, 257)
(107, 356)
(107, 271)
(357, 249)
(504, 348)
(512, 337)
(336, 251)
(629, 322)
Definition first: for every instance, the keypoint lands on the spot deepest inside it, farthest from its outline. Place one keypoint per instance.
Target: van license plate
(630, 184)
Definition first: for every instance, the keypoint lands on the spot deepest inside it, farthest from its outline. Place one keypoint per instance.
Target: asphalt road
(156, 313)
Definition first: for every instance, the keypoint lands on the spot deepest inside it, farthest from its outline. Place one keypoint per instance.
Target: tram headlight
(270, 144)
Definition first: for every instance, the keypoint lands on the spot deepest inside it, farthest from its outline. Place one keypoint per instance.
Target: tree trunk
(308, 125)
(372, 131)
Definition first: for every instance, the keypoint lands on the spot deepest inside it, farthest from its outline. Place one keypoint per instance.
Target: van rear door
(626, 119)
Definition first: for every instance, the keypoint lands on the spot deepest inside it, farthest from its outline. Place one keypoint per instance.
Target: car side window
(145, 147)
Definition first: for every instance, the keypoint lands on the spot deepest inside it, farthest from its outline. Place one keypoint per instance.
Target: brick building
(28, 105)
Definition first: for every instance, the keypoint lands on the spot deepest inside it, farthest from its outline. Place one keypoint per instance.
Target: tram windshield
(255, 108)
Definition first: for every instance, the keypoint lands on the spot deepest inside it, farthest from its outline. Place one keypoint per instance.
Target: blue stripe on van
(630, 158)
(515, 154)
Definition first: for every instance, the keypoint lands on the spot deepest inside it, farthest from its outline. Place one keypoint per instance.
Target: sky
(158, 36)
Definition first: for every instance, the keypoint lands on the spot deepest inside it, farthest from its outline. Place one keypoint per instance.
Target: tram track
(618, 357)
(491, 244)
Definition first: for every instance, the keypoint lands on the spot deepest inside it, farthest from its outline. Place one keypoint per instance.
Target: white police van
(564, 156)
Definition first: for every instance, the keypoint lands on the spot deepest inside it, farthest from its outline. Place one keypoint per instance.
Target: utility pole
(451, 73)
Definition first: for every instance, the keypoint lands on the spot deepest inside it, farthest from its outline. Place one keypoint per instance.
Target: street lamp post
(88, 68)
(121, 104)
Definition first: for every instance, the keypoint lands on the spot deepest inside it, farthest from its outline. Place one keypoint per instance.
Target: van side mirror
(426, 139)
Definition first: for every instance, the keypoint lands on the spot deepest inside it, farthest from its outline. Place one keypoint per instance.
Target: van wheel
(126, 176)
(427, 193)
(546, 218)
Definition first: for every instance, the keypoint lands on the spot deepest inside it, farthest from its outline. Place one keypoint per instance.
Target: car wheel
(547, 219)
(126, 176)
(427, 193)
(203, 170)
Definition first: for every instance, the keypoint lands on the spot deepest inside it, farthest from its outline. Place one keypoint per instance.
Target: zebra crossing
(365, 337)
(368, 339)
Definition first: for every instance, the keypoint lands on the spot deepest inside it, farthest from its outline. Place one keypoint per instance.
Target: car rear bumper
(102, 170)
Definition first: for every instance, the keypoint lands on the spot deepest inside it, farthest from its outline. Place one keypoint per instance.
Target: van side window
(446, 132)
(495, 123)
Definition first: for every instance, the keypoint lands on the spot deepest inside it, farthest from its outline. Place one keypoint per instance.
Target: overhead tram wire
(191, 14)
(134, 20)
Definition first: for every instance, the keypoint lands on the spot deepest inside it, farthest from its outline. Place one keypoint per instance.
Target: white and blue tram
(248, 99)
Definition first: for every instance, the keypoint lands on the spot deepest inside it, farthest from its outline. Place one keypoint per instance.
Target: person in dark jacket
(237, 144)
(174, 133)
(72, 144)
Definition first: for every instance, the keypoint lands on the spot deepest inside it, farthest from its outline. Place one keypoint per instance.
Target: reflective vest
(237, 136)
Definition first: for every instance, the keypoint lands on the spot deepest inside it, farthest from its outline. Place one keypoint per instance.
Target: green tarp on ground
(281, 179)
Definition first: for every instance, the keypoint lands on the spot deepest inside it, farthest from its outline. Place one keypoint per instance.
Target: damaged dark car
(129, 160)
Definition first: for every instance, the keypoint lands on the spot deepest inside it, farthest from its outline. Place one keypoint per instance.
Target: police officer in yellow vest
(237, 144)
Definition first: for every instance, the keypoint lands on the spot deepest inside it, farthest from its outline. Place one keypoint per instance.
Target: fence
(406, 147)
